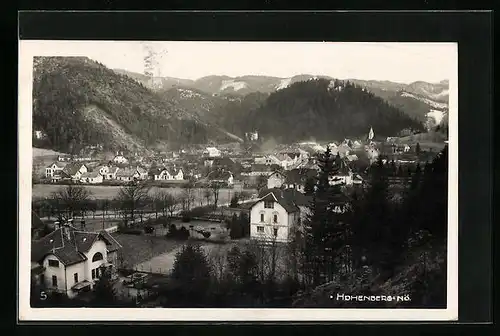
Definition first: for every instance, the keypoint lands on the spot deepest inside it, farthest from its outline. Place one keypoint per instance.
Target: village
(267, 206)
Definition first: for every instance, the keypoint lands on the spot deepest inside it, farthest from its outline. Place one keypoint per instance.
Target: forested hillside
(77, 101)
(325, 110)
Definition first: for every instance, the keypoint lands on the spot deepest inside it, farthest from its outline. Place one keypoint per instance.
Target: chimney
(82, 225)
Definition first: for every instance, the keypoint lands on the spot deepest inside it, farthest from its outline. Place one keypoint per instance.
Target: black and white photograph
(281, 180)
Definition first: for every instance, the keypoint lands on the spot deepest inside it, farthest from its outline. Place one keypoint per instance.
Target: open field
(38, 152)
(110, 192)
(140, 248)
(164, 263)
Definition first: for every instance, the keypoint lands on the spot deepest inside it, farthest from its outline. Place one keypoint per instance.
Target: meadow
(110, 192)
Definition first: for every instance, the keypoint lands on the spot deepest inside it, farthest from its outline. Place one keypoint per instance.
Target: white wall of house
(65, 275)
(99, 246)
(282, 224)
(342, 179)
(50, 171)
(275, 181)
(120, 159)
(83, 169)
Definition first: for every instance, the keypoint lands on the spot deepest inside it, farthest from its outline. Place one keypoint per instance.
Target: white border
(28, 49)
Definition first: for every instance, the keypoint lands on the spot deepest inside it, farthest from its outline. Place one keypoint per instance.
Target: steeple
(371, 134)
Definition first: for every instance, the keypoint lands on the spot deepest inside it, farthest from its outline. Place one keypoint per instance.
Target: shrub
(132, 231)
(183, 233)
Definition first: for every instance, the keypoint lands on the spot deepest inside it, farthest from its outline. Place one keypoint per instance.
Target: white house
(277, 215)
(267, 160)
(93, 177)
(55, 169)
(74, 170)
(143, 173)
(127, 175)
(109, 173)
(275, 180)
(163, 174)
(71, 260)
(343, 175)
(212, 152)
(120, 159)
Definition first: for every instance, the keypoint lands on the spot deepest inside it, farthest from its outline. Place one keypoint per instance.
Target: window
(93, 274)
(53, 263)
(97, 257)
(260, 229)
(275, 232)
(261, 217)
(76, 277)
(54, 280)
(269, 204)
(275, 218)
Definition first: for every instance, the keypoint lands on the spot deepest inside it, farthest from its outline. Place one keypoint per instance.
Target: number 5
(43, 295)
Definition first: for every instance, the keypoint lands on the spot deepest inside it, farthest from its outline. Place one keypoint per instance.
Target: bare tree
(132, 197)
(188, 195)
(71, 199)
(170, 204)
(218, 260)
(207, 194)
(215, 188)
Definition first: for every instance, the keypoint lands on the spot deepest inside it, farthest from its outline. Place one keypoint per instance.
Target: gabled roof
(220, 161)
(73, 168)
(93, 174)
(55, 243)
(277, 172)
(127, 172)
(70, 250)
(59, 164)
(289, 199)
(141, 170)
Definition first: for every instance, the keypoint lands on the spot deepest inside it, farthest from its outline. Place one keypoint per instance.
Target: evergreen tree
(242, 267)
(323, 225)
(417, 149)
(104, 290)
(373, 230)
(192, 275)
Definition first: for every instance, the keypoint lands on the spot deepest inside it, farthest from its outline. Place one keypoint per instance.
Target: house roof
(277, 172)
(289, 199)
(141, 170)
(127, 172)
(73, 168)
(219, 174)
(92, 174)
(299, 176)
(221, 161)
(70, 250)
(257, 167)
(59, 164)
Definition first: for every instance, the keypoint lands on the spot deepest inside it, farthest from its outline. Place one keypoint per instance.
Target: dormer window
(268, 204)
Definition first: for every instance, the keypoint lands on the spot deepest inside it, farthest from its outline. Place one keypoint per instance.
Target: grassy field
(40, 152)
(140, 248)
(110, 192)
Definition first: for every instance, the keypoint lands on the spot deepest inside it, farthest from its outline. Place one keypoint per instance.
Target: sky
(397, 62)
